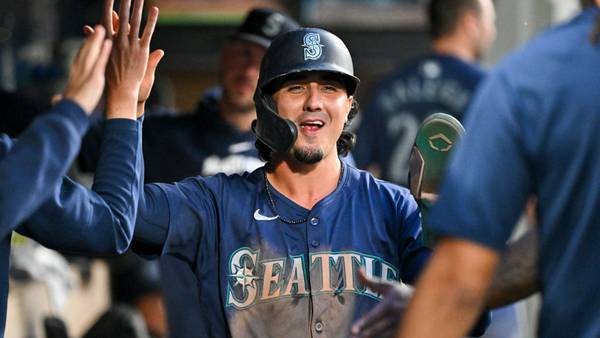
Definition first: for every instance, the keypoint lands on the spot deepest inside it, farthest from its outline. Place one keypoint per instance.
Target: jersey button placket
(319, 327)
(314, 221)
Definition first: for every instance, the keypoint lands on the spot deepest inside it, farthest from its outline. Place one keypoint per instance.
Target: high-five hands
(384, 319)
(86, 82)
(131, 67)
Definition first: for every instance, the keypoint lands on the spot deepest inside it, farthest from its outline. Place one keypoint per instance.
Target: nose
(252, 65)
(313, 100)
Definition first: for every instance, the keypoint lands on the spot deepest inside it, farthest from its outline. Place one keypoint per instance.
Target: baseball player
(58, 212)
(542, 136)
(441, 81)
(276, 251)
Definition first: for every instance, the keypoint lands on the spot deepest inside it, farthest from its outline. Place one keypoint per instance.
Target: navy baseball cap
(262, 25)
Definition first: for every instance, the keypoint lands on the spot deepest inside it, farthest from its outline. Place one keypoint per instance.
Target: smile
(311, 125)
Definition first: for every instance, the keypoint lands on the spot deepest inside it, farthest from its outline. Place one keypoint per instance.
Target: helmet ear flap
(275, 132)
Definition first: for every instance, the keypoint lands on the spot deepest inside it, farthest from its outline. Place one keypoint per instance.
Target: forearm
(118, 180)
(517, 274)
(449, 296)
(37, 162)
(100, 221)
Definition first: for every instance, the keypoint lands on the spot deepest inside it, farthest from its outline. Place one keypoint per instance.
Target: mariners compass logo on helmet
(312, 46)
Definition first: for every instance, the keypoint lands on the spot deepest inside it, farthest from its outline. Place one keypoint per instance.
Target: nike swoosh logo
(260, 217)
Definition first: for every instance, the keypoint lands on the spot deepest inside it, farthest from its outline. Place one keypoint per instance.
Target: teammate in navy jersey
(541, 135)
(276, 251)
(439, 82)
(58, 212)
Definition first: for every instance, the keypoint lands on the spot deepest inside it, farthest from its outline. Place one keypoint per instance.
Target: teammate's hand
(153, 59)
(129, 60)
(384, 319)
(86, 82)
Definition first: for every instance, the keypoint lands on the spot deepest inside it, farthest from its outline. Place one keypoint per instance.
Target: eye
(330, 88)
(295, 88)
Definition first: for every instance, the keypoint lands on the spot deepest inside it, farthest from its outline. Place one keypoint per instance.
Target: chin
(245, 105)
(308, 155)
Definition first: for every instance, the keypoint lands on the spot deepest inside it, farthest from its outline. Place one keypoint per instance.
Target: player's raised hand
(86, 82)
(384, 319)
(111, 19)
(129, 61)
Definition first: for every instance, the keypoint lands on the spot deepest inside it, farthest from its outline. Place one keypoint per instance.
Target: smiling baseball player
(276, 251)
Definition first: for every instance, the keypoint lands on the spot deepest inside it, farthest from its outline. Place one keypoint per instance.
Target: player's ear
(469, 23)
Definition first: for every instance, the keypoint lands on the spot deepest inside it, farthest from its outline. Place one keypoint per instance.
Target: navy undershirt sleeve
(98, 221)
(33, 165)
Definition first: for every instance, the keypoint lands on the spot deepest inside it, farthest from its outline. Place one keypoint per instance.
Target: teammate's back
(537, 119)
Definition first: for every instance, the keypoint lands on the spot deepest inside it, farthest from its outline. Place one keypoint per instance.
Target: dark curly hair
(345, 142)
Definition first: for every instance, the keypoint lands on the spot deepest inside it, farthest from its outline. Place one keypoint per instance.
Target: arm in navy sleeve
(34, 164)
(175, 218)
(99, 221)
(152, 224)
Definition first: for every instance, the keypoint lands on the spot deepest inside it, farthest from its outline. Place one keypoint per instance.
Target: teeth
(313, 123)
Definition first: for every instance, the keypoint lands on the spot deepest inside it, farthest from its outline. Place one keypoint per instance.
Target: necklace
(272, 201)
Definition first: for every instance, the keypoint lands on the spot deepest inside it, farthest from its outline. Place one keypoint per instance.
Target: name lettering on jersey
(401, 92)
(253, 280)
(232, 164)
(312, 46)
(240, 147)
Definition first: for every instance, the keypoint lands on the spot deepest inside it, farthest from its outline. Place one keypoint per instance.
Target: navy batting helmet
(298, 51)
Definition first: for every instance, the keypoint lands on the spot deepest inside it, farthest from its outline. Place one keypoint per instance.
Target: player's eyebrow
(314, 76)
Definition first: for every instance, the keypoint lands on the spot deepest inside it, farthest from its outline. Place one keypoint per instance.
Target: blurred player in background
(439, 82)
